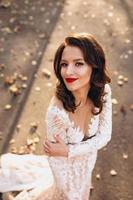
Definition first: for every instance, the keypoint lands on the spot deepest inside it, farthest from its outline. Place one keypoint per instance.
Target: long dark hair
(93, 55)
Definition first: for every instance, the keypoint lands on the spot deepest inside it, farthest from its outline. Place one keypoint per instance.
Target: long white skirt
(29, 174)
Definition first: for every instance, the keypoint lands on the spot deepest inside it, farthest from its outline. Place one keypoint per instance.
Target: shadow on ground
(25, 27)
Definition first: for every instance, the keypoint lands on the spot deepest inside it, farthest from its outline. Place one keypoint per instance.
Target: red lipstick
(70, 80)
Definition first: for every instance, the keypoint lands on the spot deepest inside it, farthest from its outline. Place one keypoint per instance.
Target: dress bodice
(69, 133)
(58, 122)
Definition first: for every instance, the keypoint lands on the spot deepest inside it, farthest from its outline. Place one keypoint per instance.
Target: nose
(70, 69)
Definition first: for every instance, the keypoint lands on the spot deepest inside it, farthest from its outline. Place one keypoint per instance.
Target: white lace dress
(72, 174)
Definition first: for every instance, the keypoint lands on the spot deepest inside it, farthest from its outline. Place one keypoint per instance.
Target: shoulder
(55, 108)
(107, 89)
(56, 102)
(55, 112)
(107, 97)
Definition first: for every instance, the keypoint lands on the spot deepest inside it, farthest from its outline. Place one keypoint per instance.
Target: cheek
(86, 73)
(89, 73)
(62, 73)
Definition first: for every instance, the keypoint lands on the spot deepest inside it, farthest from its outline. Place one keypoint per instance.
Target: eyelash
(76, 64)
(63, 64)
(79, 63)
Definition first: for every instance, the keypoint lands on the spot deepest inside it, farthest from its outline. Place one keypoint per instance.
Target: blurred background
(30, 32)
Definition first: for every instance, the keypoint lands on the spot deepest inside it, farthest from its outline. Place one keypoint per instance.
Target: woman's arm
(103, 134)
(59, 148)
(56, 125)
(56, 122)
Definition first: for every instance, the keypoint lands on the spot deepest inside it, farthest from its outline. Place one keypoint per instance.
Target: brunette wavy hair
(93, 55)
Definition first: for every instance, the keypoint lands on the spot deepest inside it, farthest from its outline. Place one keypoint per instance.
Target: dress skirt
(28, 174)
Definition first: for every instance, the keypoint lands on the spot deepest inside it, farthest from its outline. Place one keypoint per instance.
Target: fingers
(47, 143)
(58, 139)
(47, 147)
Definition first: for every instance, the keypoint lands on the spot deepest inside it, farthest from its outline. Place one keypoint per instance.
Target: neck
(81, 98)
(81, 104)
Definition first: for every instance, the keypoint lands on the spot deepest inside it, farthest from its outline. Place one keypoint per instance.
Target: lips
(70, 80)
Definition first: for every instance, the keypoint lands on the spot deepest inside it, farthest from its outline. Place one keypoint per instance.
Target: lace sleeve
(56, 123)
(102, 136)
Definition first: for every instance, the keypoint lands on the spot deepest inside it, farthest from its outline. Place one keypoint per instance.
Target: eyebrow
(79, 59)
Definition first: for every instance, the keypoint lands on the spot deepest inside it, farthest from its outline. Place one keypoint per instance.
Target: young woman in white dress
(79, 123)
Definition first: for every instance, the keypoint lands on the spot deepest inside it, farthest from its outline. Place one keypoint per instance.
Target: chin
(73, 89)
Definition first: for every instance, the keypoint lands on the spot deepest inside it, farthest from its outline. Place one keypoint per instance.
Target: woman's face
(76, 73)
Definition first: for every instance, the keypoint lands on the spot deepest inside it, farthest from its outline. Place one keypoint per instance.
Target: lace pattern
(103, 134)
(70, 172)
(70, 176)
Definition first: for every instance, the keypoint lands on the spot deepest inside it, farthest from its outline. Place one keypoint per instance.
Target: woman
(79, 117)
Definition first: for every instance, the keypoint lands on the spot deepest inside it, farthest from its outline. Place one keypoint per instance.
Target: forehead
(72, 52)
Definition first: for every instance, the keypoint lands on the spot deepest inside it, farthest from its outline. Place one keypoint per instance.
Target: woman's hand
(59, 148)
